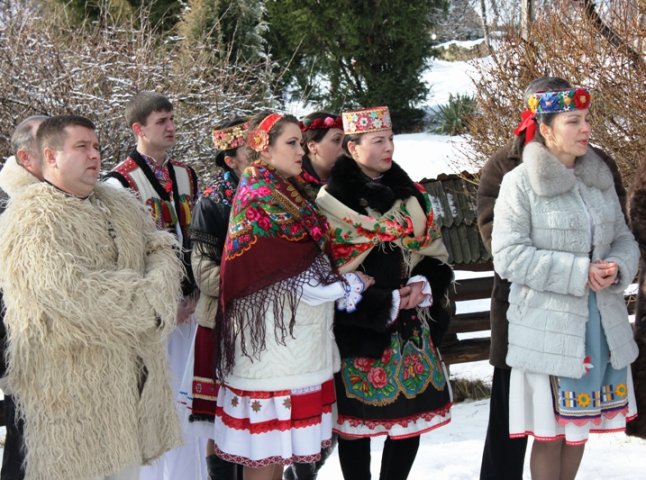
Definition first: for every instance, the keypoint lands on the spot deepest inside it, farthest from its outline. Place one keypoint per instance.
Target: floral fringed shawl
(275, 244)
(405, 224)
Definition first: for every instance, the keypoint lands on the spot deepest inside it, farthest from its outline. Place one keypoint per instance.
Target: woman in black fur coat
(392, 381)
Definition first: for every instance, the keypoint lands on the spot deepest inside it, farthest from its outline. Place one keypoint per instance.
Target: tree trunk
(485, 26)
(610, 35)
(526, 18)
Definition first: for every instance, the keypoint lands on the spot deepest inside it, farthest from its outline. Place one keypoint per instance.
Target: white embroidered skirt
(257, 429)
(532, 411)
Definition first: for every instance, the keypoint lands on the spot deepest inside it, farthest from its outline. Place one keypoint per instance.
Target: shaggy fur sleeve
(163, 274)
(623, 249)
(50, 286)
(515, 256)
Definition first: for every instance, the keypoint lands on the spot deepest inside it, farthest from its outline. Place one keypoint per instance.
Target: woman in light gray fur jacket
(560, 238)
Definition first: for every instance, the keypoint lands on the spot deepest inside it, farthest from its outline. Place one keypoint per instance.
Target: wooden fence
(455, 350)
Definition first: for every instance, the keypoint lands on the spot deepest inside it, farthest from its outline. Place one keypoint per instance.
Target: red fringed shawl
(275, 236)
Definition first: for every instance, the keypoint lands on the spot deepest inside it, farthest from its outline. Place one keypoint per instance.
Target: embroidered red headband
(321, 123)
(230, 137)
(560, 101)
(258, 139)
(366, 120)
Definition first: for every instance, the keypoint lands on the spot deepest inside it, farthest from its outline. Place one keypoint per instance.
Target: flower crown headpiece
(231, 137)
(258, 139)
(560, 101)
(366, 120)
(321, 123)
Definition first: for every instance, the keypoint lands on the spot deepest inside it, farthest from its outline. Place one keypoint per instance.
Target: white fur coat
(91, 289)
(550, 223)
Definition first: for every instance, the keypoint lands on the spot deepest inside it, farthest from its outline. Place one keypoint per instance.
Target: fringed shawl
(407, 224)
(275, 235)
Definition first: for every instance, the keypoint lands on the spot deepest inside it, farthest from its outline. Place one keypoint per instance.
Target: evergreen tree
(348, 53)
(234, 28)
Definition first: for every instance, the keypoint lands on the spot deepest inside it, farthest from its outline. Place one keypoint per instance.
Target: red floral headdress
(321, 123)
(258, 138)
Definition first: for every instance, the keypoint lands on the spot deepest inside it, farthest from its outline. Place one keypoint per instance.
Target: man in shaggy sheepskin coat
(19, 171)
(91, 289)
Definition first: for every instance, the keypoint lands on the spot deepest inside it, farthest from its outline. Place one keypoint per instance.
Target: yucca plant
(453, 117)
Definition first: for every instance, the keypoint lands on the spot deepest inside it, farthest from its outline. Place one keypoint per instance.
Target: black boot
(398, 457)
(300, 471)
(309, 471)
(354, 456)
(221, 469)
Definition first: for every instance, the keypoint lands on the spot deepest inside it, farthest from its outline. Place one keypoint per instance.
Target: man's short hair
(143, 104)
(51, 132)
(24, 136)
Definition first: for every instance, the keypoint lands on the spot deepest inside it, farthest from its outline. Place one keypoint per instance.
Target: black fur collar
(349, 185)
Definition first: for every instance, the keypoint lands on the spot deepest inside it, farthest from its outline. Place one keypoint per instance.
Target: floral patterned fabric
(353, 235)
(223, 188)
(406, 368)
(267, 206)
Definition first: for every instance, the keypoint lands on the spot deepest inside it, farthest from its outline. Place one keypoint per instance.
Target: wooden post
(526, 18)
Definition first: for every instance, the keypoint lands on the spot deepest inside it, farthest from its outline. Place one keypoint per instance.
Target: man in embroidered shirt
(169, 189)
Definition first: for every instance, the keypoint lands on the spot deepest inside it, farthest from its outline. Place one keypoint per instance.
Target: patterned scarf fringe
(245, 317)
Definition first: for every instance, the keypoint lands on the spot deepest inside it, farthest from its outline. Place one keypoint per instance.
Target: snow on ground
(426, 155)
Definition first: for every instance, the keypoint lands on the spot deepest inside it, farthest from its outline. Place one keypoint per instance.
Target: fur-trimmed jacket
(551, 222)
(91, 289)
(367, 331)
(500, 163)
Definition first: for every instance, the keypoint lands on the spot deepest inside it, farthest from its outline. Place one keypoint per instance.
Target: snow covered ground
(453, 452)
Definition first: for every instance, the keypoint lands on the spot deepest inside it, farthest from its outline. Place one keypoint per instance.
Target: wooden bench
(455, 350)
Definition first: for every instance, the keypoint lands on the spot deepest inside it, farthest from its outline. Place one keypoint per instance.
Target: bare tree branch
(610, 35)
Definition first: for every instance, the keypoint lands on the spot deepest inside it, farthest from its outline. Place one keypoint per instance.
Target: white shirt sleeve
(113, 182)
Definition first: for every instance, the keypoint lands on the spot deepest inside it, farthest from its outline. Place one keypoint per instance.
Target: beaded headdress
(231, 137)
(366, 120)
(559, 101)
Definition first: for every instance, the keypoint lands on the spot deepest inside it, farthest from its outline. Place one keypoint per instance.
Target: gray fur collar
(548, 177)
(14, 178)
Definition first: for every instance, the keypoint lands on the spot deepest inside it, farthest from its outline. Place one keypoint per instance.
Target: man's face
(74, 168)
(159, 131)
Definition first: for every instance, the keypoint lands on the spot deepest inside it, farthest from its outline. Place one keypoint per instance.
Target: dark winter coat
(366, 332)
(501, 162)
(637, 215)
(209, 224)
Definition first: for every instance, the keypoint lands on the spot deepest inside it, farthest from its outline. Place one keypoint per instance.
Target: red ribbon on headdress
(258, 139)
(527, 123)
